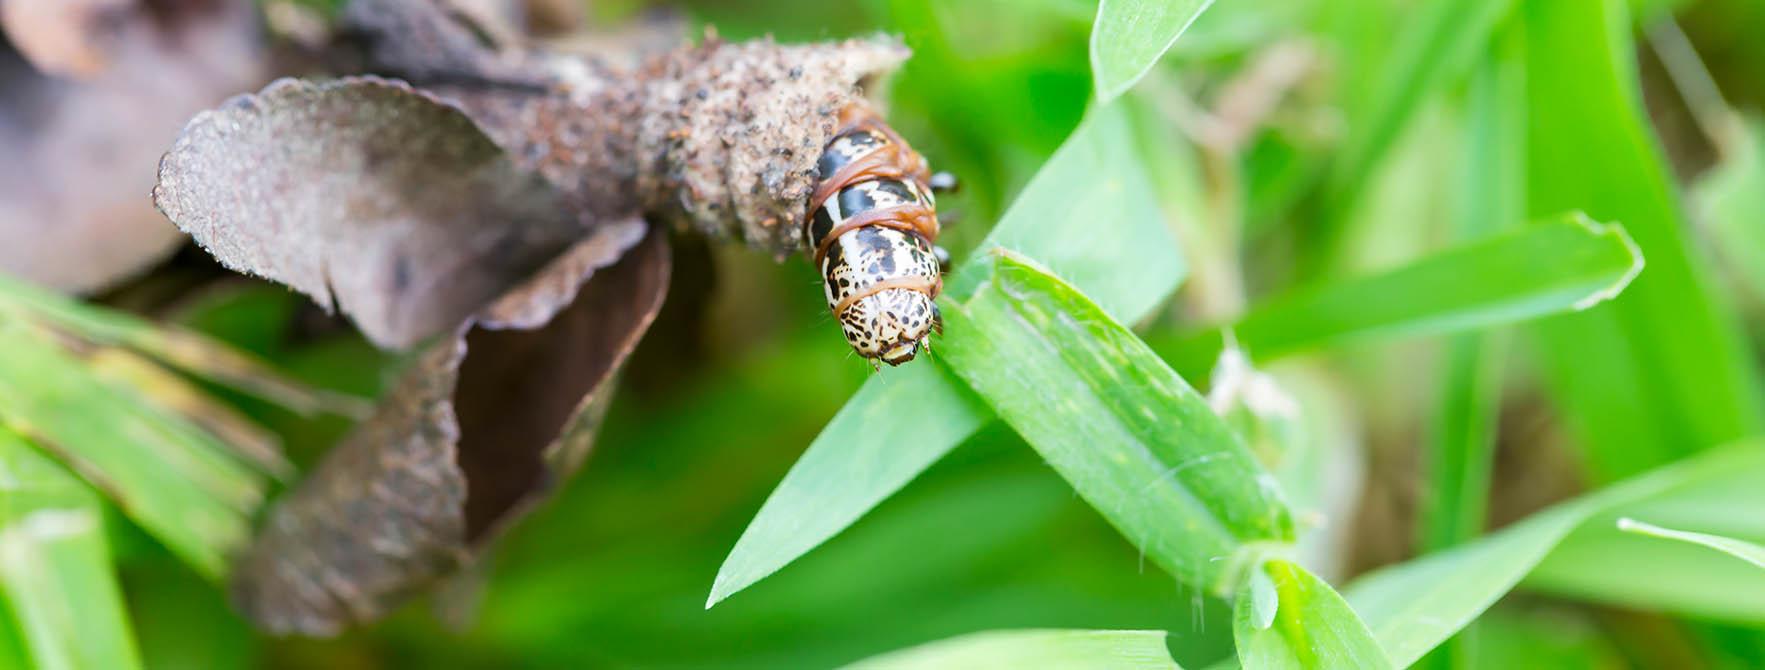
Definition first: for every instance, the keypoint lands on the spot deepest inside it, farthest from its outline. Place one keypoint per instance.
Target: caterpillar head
(891, 325)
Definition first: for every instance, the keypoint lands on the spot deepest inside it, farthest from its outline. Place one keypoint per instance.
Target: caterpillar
(871, 231)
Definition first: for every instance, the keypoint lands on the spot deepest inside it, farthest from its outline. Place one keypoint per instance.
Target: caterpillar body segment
(870, 231)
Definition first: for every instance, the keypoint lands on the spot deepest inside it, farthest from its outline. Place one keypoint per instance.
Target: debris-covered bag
(495, 206)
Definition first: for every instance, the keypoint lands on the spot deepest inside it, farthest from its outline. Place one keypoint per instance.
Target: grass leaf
(1741, 549)
(1663, 370)
(1600, 563)
(1125, 431)
(1131, 35)
(1459, 452)
(56, 578)
(1034, 649)
(188, 351)
(174, 479)
(1414, 606)
(1313, 627)
(1566, 263)
(1438, 46)
(1088, 213)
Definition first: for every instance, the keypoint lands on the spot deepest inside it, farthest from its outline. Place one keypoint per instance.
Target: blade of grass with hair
(56, 579)
(1032, 649)
(1130, 36)
(1089, 213)
(1663, 370)
(1130, 436)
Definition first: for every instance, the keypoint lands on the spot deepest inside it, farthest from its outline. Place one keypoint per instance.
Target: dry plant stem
(1218, 289)
(1718, 121)
(718, 137)
(721, 138)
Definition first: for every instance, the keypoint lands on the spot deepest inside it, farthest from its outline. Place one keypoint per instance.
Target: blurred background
(1249, 116)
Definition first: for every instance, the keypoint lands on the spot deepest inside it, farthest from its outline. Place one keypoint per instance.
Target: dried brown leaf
(79, 153)
(518, 387)
(65, 38)
(438, 41)
(374, 522)
(475, 432)
(367, 195)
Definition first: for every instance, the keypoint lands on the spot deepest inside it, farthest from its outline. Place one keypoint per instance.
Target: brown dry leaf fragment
(376, 520)
(68, 37)
(368, 195)
(518, 388)
(474, 433)
(79, 154)
(442, 41)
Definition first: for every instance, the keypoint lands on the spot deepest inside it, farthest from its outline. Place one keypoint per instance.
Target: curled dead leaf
(477, 200)
(720, 137)
(366, 195)
(79, 151)
(475, 432)
(65, 38)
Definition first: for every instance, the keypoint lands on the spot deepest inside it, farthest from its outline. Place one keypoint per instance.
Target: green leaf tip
(1636, 260)
(1741, 549)
(1129, 36)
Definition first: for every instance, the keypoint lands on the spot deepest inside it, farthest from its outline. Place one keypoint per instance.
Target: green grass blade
(1089, 213)
(1741, 549)
(56, 578)
(1566, 263)
(1034, 650)
(1130, 36)
(1413, 607)
(1662, 370)
(1460, 449)
(1601, 563)
(175, 480)
(1125, 431)
(1312, 626)
(866, 453)
(185, 350)
(1544, 638)
(1437, 46)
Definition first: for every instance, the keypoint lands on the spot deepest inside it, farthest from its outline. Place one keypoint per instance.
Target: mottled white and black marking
(880, 280)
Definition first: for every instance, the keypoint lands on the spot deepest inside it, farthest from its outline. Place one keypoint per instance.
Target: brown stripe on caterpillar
(917, 284)
(876, 210)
